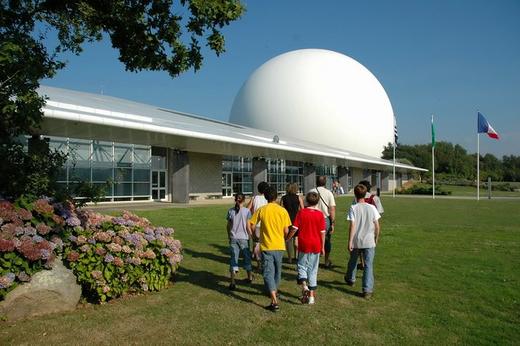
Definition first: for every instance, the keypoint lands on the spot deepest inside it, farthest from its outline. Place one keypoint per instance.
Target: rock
(49, 291)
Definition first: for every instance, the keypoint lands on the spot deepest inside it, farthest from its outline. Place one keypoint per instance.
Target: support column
(357, 175)
(179, 176)
(385, 181)
(259, 172)
(343, 178)
(309, 177)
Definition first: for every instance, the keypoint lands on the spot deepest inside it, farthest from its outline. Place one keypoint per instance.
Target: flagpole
(478, 166)
(393, 190)
(433, 164)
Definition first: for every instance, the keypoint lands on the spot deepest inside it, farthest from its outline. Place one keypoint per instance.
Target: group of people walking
(304, 227)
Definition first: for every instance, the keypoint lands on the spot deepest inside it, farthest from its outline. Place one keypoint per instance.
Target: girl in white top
(256, 203)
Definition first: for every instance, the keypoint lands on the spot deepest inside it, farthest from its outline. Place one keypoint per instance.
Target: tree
(149, 35)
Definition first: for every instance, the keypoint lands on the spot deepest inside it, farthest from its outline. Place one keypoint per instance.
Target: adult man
(327, 205)
(275, 222)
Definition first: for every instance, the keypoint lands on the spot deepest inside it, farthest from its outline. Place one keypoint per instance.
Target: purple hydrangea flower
(45, 254)
(30, 231)
(7, 280)
(109, 258)
(73, 221)
(37, 239)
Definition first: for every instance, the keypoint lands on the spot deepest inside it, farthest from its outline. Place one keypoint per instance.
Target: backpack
(370, 200)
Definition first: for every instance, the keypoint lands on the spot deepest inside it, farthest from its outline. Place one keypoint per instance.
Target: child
(273, 230)
(310, 224)
(256, 203)
(238, 234)
(376, 202)
(363, 236)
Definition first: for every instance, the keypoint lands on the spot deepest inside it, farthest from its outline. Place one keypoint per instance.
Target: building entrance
(227, 184)
(159, 185)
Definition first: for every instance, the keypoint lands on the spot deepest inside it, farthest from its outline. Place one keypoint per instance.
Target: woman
(292, 202)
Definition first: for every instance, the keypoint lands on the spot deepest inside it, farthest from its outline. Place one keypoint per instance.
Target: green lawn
(472, 191)
(447, 272)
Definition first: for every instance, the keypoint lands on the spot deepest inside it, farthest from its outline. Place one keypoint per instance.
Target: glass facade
(330, 172)
(283, 172)
(122, 170)
(237, 175)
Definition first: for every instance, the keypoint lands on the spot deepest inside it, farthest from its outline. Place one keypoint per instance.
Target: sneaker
(311, 300)
(367, 295)
(328, 265)
(350, 283)
(232, 287)
(272, 307)
(305, 296)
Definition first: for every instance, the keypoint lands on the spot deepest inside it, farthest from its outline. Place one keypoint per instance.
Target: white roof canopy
(90, 116)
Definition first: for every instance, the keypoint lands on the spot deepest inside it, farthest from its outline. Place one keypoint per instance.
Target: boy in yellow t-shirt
(275, 222)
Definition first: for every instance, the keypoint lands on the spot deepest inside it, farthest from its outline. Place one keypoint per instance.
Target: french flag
(485, 127)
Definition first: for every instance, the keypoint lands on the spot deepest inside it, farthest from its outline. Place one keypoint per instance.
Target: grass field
(447, 272)
(472, 191)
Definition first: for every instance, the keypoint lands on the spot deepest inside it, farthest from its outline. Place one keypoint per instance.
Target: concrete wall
(357, 176)
(178, 176)
(309, 177)
(259, 173)
(205, 174)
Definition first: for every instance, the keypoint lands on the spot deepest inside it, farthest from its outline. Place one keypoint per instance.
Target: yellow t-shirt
(274, 220)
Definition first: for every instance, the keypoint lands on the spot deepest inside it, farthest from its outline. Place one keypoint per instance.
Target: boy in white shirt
(364, 233)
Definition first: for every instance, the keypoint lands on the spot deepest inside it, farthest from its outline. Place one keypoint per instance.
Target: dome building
(318, 95)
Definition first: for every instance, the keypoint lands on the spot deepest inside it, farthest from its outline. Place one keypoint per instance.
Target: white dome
(319, 96)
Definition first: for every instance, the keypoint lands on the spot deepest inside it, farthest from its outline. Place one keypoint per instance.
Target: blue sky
(449, 58)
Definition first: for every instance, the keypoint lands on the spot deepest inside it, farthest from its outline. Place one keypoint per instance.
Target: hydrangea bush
(29, 240)
(110, 256)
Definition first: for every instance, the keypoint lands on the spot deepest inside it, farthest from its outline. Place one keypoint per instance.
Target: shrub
(422, 189)
(110, 256)
(29, 240)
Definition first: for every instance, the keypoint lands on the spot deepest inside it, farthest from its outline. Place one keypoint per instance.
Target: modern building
(143, 152)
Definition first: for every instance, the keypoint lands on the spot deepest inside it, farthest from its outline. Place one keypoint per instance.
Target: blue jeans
(235, 246)
(308, 269)
(272, 266)
(368, 273)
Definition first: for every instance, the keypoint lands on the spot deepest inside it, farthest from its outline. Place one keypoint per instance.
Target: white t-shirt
(326, 196)
(377, 202)
(258, 202)
(363, 215)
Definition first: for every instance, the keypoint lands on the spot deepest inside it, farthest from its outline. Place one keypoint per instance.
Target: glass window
(79, 173)
(79, 153)
(106, 187)
(123, 155)
(102, 172)
(141, 189)
(142, 174)
(123, 189)
(102, 152)
(142, 155)
(158, 162)
(123, 174)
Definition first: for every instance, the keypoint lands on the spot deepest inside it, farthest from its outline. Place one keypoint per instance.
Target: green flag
(433, 134)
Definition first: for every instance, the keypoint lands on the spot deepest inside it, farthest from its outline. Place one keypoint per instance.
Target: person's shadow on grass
(211, 281)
